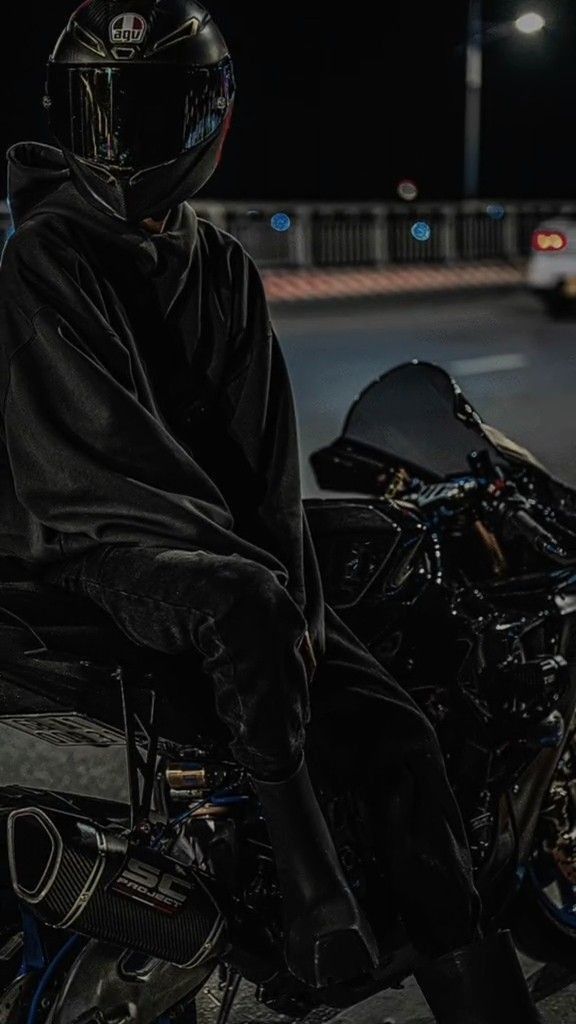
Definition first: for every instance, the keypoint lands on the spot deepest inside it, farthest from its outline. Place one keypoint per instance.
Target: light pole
(528, 24)
(474, 75)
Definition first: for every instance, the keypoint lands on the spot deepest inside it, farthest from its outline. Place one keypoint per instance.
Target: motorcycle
(451, 552)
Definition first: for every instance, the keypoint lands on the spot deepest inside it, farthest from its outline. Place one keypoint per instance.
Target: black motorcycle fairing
(366, 549)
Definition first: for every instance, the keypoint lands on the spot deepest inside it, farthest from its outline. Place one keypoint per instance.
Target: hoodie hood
(35, 172)
(40, 182)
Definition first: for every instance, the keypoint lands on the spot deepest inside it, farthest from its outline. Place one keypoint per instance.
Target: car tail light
(549, 241)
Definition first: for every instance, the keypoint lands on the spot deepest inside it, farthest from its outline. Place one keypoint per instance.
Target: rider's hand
(307, 651)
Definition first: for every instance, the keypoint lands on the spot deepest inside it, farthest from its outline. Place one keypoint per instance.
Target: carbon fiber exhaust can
(76, 874)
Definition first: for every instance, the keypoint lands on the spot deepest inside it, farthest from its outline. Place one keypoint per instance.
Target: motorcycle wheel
(544, 924)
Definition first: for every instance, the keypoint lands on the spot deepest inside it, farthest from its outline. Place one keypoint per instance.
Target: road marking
(488, 364)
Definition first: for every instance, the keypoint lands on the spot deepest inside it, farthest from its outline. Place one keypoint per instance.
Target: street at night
(258, 758)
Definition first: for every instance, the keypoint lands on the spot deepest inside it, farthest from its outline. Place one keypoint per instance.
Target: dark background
(337, 105)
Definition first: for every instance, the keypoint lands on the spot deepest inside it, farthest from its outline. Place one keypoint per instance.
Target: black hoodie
(145, 397)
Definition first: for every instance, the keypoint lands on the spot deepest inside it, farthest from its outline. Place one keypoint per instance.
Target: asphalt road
(394, 1007)
(517, 367)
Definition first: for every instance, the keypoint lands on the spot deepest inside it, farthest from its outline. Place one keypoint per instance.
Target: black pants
(247, 630)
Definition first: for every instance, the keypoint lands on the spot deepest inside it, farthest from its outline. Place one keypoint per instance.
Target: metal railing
(292, 235)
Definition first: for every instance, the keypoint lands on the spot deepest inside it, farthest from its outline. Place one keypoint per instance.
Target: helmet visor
(136, 116)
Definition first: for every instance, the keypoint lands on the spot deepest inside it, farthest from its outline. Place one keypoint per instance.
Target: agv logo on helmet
(128, 28)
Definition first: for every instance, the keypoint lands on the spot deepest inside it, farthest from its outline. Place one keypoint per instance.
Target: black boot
(480, 984)
(327, 938)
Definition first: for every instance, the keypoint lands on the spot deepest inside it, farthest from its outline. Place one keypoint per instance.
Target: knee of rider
(261, 601)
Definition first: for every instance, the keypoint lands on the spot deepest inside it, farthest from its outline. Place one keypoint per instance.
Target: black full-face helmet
(140, 96)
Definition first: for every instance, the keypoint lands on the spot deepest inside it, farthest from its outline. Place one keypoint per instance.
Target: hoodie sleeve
(87, 456)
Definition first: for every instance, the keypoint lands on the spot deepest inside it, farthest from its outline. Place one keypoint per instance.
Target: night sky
(334, 106)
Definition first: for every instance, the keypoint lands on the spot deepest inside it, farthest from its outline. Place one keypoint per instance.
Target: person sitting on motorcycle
(151, 462)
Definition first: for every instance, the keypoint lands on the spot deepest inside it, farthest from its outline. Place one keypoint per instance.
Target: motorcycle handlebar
(540, 538)
(516, 510)
(498, 496)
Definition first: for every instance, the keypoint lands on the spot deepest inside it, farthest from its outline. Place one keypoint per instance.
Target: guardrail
(344, 234)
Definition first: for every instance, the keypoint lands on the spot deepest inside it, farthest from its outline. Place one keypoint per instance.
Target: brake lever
(541, 539)
(515, 510)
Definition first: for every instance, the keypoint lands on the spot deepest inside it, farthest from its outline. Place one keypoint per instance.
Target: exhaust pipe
(77, 874)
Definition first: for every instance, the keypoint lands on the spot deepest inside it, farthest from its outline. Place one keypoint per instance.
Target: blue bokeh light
(496, 211)
(421, 231)
(281, 222)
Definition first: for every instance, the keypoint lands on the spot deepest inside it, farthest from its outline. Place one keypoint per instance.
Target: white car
(552, 264)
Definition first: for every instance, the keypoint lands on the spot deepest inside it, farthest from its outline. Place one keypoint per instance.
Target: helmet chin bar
(152, 192)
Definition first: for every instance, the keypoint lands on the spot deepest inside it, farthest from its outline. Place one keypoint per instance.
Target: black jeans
(247, 630)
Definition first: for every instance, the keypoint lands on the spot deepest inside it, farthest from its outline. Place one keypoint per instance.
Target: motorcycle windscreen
(417, 415)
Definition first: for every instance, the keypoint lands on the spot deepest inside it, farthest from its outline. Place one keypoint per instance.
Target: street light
(528, 24)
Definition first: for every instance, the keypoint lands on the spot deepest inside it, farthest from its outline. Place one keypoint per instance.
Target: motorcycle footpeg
(322, 950)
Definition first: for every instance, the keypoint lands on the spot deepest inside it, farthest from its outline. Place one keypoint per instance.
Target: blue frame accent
(48, 975)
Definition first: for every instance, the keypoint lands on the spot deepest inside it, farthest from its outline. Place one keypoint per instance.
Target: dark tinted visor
(140, 115)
